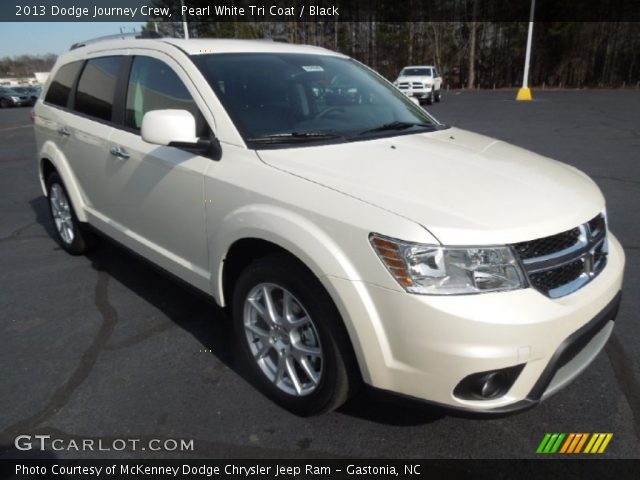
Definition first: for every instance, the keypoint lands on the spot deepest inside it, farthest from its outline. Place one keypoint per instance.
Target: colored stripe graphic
(550, 443)
(581, 442)
(573, 443)
(543, 443)
(567, 443)
(598, 442)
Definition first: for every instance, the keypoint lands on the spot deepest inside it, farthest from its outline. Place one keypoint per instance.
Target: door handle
(119, 152)
(64, 131)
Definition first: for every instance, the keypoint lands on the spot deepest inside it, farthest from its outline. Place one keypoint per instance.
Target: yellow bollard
(524, 94)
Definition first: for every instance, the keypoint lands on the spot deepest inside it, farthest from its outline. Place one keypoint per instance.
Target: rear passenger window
(153, 85)
(58, 93)
(97, 86)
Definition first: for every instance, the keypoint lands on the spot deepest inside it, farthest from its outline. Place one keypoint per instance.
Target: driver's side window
(153, 85)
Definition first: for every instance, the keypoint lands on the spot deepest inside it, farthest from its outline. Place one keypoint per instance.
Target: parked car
(31, 92)
(422, 82)
(352, 240)
(11, 97)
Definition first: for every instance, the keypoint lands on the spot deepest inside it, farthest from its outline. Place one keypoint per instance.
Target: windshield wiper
(295, 137)
(398, 126)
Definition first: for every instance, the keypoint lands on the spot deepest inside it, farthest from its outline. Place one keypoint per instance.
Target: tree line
(477, 54)
(469, 54)
(26, 65)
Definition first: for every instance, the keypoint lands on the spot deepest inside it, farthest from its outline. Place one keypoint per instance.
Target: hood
(415, 78)
(463, 187)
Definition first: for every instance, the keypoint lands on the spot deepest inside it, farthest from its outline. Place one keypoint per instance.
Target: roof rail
(121, 36)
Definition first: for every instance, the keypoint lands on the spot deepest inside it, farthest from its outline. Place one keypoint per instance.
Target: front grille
(548, 280)
(560, 264)
(417, 85)
(548, 245)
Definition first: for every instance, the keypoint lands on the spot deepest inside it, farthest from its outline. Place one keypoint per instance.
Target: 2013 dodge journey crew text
(353, 238)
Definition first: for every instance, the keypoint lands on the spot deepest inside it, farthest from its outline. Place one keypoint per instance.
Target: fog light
(487, 385)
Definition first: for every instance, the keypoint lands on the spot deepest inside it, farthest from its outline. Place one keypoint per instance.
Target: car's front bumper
(423, 346)
(421, 93)
(21, 103)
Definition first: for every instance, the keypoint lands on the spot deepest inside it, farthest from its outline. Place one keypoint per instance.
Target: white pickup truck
(420, 81)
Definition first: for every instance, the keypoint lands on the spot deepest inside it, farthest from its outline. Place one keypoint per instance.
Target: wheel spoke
(256, 305)
(293, 375)
(308, 370)
(287, 307)
(256, 330)
(280, 369)
(271, 308)
(300, 322)
(260, 354)
(307, 350)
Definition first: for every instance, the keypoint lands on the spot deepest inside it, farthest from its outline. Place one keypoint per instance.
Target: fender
(319, 252)
(312, 245)
(50, 151)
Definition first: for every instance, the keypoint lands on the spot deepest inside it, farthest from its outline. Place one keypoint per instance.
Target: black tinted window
(97, 86)
(153, 85)
(58, 93)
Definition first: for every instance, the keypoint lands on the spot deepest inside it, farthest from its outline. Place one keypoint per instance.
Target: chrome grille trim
(564, 271)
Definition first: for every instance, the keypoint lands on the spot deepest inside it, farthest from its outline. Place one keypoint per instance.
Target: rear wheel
(70, 233)
(292, 337)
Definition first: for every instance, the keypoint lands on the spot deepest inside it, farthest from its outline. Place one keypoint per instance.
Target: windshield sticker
(312, 68)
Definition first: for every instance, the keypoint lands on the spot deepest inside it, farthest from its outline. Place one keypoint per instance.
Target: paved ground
(106, 347)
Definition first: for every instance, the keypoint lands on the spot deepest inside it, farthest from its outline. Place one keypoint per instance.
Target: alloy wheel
(61, 212)
(283, 339)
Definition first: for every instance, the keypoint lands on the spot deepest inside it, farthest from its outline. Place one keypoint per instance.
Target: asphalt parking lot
(107, 347)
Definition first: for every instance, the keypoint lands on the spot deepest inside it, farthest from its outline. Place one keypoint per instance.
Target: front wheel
(438, 96)
(4, 103)
(430, 98)
(292, 337)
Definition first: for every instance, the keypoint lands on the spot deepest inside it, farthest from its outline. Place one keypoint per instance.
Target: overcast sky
(38, 38)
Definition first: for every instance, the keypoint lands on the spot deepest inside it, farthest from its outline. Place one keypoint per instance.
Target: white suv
(420, 81)
(352, 236)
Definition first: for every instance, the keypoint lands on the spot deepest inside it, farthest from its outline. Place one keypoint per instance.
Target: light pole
(185, 25)
(525, 92)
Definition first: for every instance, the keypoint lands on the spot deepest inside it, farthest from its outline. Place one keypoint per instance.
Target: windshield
(280, 98)
(416, 72)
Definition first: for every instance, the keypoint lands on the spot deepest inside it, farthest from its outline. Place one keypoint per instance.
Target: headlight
(15, 99)
(438, 270)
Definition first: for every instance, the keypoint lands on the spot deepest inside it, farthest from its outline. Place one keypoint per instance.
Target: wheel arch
(274, 229)
(52, 160)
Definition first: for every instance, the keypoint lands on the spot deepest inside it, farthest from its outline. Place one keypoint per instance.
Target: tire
(73, 236)
(438, 96)
(430, 97)
(3, 103)
(308, 368)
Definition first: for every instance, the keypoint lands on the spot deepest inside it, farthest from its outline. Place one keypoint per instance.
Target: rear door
(52, 114)
(88, 126)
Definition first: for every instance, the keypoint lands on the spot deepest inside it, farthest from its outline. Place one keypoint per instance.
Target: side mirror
(177, 128)
(164, 127)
